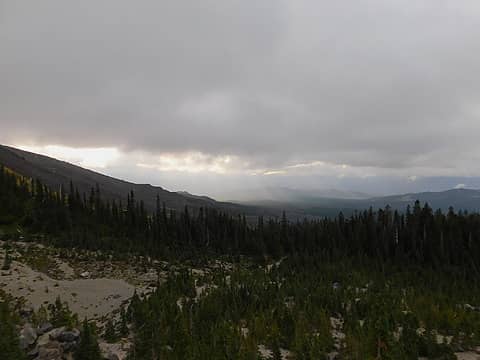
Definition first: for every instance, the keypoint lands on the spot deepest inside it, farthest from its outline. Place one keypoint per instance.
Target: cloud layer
(382, 87)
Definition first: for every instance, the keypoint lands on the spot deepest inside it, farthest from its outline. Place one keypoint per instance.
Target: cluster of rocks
(48, 343)
(338, 337)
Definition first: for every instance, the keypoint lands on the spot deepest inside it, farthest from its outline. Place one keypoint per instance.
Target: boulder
(33, 353)
(113, 351)
(68, 336)
(111, 356)
(26, 312)
(52, 353)
(53, 334)
(52, 345)
(44, 328)
(43, 339)
(28, 335)
(49, 336)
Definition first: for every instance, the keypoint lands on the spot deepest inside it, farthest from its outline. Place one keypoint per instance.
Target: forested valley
(379, 284)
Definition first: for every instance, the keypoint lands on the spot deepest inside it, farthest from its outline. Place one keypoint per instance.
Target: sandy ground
(468, 356)
(91, 298)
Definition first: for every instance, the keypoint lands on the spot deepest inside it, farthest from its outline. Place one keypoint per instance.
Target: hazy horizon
(280, 188)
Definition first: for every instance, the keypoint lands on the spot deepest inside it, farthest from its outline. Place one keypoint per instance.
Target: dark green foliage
(391, 271)
(110, 334)
(7, 261)
(41, 316)
(276, 351)
(290, 307)
(170, 324)
(60, 314)
(88, 348)
(420, 236)
(9, 348)
(123, 323)
(448, 242)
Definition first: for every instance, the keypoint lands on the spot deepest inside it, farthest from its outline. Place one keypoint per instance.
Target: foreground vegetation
(376, 285)
(295, 306)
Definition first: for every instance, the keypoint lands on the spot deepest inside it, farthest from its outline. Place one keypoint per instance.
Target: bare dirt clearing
(91, 298)
(88, 297)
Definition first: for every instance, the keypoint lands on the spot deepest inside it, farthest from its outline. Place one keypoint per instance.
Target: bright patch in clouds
(193, 162)
(318, 167)
(85, 157)
(274, 172)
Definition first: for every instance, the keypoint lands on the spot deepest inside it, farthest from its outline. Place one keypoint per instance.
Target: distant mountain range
(459, 199)
(295, 195)
(297, 203)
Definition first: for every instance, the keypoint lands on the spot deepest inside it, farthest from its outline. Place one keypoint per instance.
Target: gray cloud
(386, 85)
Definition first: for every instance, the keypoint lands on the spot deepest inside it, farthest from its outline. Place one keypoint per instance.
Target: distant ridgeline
(69, 219)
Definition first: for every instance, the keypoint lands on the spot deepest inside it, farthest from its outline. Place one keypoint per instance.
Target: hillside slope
(56, 173)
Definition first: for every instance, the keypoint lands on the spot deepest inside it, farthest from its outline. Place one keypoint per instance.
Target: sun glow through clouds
(193, 162)
(86, 157)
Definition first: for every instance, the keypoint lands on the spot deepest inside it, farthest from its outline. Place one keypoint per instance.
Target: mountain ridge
(56, 173)
(297, 203)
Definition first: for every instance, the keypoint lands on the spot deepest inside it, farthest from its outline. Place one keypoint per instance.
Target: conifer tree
(7, 261)
(110, 334)
(9, 348)
(88, 347)
(123, 323)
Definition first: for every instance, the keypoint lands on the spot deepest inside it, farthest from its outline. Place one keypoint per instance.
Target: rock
(28, 335)
(465, 356)
(53, 334)
(26, 312)
(68, 336)
(49, 336)
(114, 351)
(85, 274)
(111, 356)
(52, 345)
(44, 328)
(33, 353)
(43, 340)
(52, 353)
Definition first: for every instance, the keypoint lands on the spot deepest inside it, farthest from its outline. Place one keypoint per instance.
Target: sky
(223, 97)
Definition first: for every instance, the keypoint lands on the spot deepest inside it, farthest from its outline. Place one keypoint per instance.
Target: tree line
(419, 236)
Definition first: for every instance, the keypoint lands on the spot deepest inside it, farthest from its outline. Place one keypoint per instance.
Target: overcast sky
(212, 96)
